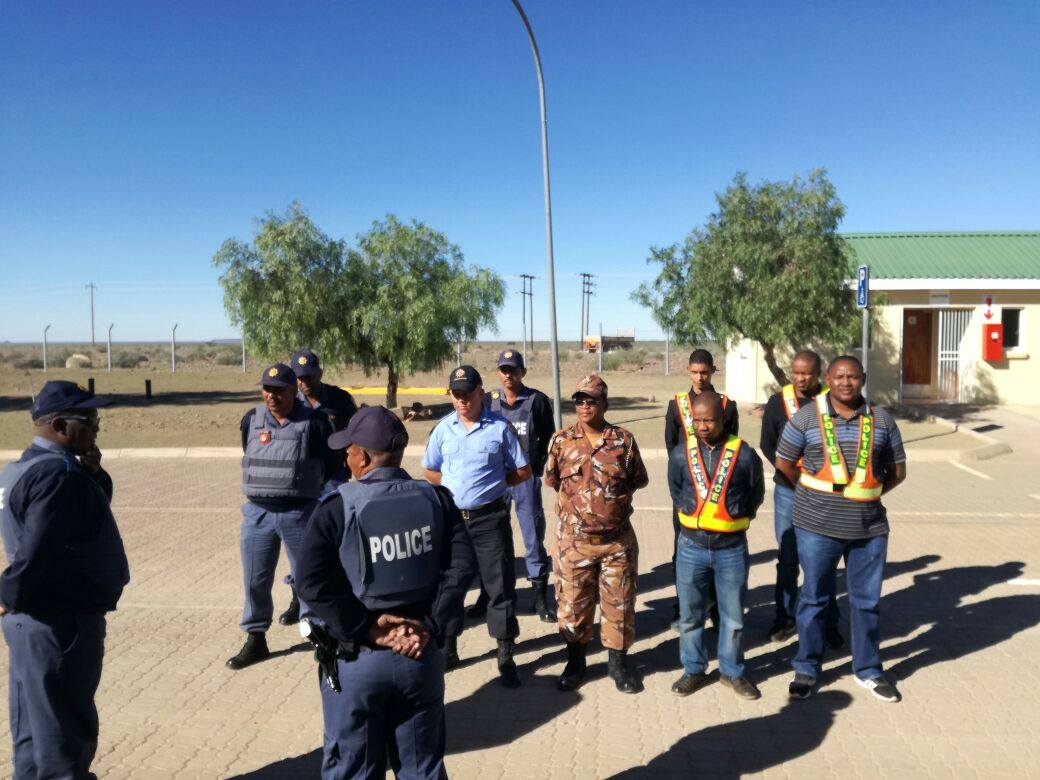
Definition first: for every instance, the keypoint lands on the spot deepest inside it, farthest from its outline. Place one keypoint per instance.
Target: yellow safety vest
(833, 477)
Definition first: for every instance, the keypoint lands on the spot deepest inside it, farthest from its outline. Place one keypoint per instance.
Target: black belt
(494, 506)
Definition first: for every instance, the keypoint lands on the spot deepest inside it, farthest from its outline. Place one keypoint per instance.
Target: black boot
(253, 651)
(507, 673)
(617, 669)
(478, 611)
(574, 671)
(291, 616)
(451, 653)
(542, 606)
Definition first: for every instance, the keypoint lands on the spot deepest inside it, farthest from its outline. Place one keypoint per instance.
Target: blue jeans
(527, 497)
(391, 707)
(785, 594)
(695, 569)
(263, 533)
(864, 571)
(54, 667)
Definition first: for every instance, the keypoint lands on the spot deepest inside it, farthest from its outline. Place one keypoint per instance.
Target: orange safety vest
(833, 477)
(791, 399)
(711, 513)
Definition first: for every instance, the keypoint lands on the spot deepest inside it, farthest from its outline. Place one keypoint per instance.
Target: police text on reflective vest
(711, 513)
(833, 477)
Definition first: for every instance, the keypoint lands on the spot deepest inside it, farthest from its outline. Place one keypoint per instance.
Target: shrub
(612, 361)
(127, 359)
(28, 361)
(227, 358)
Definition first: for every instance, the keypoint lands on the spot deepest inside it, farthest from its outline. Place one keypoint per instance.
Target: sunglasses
(586, 401)
(93, 421)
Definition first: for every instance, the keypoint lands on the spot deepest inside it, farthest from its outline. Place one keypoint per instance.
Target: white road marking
(1024, 581)
(970, 470)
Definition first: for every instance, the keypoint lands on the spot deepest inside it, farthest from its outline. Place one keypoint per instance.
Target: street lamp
(550, 271)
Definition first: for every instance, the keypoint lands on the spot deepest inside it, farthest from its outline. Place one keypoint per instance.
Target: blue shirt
(474, 463)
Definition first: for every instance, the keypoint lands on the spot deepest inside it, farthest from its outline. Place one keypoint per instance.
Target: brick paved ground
(960, 635)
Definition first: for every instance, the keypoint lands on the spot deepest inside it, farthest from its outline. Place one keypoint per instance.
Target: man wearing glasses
(66, 569)
(476, 454)
(595, 467)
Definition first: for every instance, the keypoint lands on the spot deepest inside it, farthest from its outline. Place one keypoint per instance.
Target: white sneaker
(881, 688)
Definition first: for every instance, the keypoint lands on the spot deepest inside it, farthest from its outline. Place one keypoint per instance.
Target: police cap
(510, 357)
(305, 363)
(465, 378)
(374, 428)
(278, 375)
(59, 395)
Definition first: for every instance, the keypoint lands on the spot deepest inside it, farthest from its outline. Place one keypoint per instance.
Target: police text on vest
(401, 545)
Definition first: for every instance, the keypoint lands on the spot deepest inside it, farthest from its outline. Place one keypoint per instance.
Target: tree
(769, 266)
(286, 290)
(416, 298)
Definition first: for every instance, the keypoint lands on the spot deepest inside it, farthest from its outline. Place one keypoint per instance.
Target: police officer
(337, 404)
(382, 560)
(286, 460)
(66, 569)
(781, 407)
(701, 368)
(476, 454)
(844, 454)
(530, 412)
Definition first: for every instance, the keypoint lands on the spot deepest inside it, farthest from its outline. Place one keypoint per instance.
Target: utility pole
(529, 300)
(110, 347)
(91, 287)
(523, 315)
(586, 293)
(45, 347)
(173, 349)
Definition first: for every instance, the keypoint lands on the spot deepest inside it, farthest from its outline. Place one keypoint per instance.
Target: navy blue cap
(305, 363)
(58, 395)
(278, 375)
(374, 428)
(510, 357)
(464, 378)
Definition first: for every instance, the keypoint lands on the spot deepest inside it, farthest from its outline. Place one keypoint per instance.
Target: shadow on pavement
(743, 747)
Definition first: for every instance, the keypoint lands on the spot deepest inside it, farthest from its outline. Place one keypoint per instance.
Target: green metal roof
(1003, 255)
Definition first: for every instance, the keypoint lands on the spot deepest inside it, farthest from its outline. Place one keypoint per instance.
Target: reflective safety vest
(833, 477)
(711, 513)
(791, 400)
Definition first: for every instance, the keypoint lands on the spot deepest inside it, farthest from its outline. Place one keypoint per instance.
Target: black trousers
(492, 538)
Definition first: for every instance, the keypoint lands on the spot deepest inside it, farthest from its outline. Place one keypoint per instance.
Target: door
(917, 353)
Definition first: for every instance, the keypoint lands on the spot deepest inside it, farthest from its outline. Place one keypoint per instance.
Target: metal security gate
(952, 324)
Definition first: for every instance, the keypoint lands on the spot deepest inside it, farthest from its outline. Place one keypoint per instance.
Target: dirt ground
(202, 403)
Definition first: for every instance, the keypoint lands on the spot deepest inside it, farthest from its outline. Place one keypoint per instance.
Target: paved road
(960, 624)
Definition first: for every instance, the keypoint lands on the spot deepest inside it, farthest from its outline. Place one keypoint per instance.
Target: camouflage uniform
(596, 550)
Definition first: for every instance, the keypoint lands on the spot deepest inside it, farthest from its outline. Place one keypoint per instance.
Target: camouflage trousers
(604, 571)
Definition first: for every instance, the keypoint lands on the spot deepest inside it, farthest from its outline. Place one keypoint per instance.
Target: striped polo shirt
(831, 514)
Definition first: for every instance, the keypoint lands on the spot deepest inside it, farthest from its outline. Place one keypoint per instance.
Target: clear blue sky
(136, 137)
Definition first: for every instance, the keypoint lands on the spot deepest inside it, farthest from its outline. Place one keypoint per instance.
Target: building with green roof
(957, 319)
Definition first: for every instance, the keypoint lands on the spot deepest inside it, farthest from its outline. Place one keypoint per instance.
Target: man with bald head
(716, 482)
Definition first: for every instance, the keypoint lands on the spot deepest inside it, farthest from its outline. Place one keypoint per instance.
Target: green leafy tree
(286, 290)
(416, 298)
(768, 266)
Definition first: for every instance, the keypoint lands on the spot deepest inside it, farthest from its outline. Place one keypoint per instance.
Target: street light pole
(45, 347)
(550, 266)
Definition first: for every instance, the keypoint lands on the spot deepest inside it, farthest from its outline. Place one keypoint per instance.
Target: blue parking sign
(863, 287)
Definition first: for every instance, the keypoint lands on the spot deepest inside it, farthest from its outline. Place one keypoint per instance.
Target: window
(1011, 319)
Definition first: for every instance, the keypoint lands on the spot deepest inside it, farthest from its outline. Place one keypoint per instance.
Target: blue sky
(135, 137)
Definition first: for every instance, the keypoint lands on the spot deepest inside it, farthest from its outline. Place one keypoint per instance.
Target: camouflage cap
(591, 385)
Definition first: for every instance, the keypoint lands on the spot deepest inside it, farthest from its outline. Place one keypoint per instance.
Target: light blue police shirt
(474, 463)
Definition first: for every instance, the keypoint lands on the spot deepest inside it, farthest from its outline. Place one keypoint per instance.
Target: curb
(991, 448)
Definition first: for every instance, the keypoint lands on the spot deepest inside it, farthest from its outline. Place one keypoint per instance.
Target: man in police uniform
(476, 454)
(530, 412)
(334, 402)
(781, 407)
(66, 569)
(851, 453)
(382, 560)
(283, 470)
(716, 481)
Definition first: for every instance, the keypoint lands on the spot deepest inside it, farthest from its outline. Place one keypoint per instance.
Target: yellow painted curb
(400, 390)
